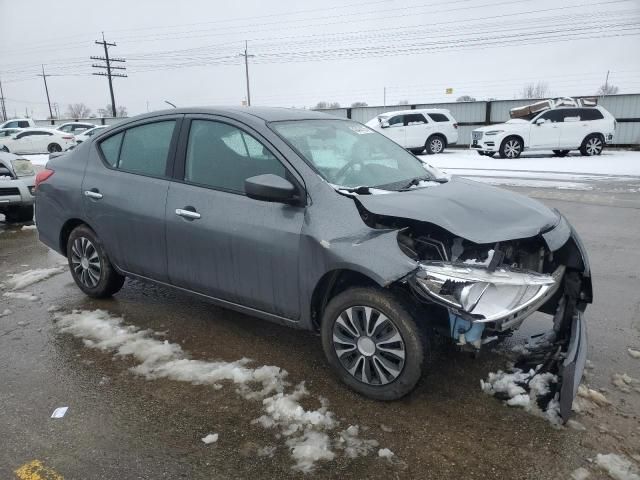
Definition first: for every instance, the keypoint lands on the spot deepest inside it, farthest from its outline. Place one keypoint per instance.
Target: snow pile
(211, 438)
(633, 353)
(21, 296)
(588, 400)
(626, 383)
(18, 281)
(580, 474)
(5, 312)
(306, 430)
(28, 227)
(385, 453)
(534, 391)
(268, 451)
(618, 467)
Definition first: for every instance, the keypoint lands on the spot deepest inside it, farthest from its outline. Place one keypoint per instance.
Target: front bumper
(16, 192)
(485, 143)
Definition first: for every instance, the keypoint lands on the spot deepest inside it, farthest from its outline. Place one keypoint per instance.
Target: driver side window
(397, 121)
(553, 116)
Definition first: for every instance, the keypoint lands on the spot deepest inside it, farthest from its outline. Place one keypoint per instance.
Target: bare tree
(321, 105)
(607, 89)
(359, 104)
(403, 102)
(535, 90)
(465, 98)
(78, 110)
(121, 111)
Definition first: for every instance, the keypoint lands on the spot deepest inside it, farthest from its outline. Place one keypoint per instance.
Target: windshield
(351, 155)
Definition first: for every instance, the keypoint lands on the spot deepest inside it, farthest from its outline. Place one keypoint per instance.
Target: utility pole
(246, 70)
(107, 65)
(606, 84)
(46, 89)
(4, 110)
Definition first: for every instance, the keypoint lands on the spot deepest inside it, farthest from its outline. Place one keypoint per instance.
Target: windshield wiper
(414, 182)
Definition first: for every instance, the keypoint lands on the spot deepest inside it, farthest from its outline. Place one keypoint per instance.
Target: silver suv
(17, 180)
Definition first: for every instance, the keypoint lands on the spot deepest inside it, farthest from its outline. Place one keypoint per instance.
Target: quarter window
(223, 157)
(438, 117)
(591, 114)
(111, 148)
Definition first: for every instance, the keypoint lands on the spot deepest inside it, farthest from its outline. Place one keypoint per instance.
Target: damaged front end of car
(488, 289)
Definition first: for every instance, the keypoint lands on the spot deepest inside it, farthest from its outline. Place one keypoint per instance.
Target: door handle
(188, 212)
(93, 193)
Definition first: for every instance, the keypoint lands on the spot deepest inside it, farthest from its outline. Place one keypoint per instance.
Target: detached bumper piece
(501, 299)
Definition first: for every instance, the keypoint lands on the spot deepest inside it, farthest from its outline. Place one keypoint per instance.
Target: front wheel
(561, 153)
(54, 147)
(90, 266)
(592, 145)
(511, 147)
(435, 144)
(373, 343)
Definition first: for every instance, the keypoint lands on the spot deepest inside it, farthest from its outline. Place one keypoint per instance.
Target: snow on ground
(21, 296)
(41, 159)
(617, 466)
(306, 432)
(633, 353)
(18, 281)
(211, 438)
(525, 390)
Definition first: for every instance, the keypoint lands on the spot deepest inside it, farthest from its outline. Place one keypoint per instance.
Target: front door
(125, 192)
(396, 130)
(222, 243)
(546, 134)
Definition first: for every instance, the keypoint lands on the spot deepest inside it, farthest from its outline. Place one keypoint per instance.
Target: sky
(376, 51)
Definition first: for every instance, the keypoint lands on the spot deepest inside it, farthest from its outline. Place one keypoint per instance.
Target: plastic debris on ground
(59, 412)
(617, 467)
(211, 438)
(534, 391)
(310, 434)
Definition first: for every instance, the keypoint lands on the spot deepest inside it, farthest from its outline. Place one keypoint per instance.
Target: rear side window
(111, 148)
(145, 148)
(591, 114)
(23, 124)
(414, 119)
(438, 117)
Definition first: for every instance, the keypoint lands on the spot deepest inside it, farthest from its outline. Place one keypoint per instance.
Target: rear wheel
(373, 343)
(54, 147)
(435, 144)
(592, 145)
(90, 265)
(19, 214)
(560, 153)
(511, 147)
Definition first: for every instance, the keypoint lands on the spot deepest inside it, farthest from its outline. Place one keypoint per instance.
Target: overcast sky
(344, 51)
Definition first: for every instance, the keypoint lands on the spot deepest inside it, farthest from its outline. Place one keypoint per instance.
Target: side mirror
(540, 121)
(384, 123)
(270, 188)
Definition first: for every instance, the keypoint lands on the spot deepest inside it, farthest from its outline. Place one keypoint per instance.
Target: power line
(107, 65)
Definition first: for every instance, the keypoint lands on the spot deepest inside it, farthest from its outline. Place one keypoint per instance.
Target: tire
(90, 266)
(54, 147)
(398, 376)
(19, 214)
(560, 153)
(592, 145)
(416, 151)
(511, 147)
(435, 144)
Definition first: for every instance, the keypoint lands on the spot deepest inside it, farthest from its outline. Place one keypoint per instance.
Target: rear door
(417, 130)
(573, 128)
(227, 245)
(23, 143)
(125, 192)
(547, 134)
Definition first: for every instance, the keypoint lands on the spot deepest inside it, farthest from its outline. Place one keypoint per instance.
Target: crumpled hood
(475, 211)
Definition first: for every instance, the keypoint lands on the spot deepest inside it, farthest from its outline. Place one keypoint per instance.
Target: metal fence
(469, 115)
(94, 120)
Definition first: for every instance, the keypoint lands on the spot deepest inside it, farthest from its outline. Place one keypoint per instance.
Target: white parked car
(18, 123)
(418, 130)
(37, 140)
(87, 134)
(561, 129)
(75, 128)
(8, 132)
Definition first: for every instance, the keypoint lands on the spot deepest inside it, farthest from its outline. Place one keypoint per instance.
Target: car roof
(416, 110)
(39, 129)
(268, 114)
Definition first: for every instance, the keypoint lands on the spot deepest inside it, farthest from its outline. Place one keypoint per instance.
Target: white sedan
(87, 134)
(37, 140)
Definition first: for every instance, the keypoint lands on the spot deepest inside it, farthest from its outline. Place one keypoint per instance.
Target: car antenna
(169, 103)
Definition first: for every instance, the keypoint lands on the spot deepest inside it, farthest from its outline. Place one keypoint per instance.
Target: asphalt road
(122, 426)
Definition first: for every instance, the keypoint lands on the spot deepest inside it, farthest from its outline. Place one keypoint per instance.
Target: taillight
(65, 137)
(43, 176)
(455, 125)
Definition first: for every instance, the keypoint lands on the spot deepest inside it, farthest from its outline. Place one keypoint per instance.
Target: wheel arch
(66, 230)
(513, 135)
(438, 134)
(599, 134)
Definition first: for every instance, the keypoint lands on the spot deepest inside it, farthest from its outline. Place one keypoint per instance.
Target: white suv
(418, 130)
(560, 129)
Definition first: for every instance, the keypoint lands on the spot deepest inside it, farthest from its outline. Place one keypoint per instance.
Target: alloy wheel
(86, 262)
(512, 148)
(54, 147)
(436, 145)
(593, 146)
(368, 345)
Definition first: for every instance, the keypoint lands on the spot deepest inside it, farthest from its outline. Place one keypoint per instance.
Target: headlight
(493, 132)
(486, 296)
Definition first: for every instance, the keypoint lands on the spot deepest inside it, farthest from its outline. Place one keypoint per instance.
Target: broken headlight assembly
(486, 296)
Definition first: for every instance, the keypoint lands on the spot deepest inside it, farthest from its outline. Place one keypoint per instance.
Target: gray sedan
(319, 223)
